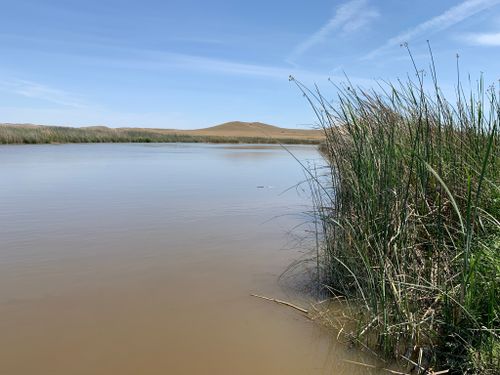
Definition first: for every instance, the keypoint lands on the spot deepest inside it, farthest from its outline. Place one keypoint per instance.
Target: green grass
(14, 134)
(411, 220)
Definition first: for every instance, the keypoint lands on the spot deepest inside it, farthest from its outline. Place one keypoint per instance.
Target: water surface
(140, 259)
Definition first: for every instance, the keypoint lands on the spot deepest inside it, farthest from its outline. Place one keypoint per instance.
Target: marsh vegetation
(234, 132)
(411, 221)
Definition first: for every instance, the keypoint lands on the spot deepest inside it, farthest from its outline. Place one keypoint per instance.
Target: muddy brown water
(140, 259)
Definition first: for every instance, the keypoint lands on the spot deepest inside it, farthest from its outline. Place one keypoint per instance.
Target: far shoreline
(229, 133)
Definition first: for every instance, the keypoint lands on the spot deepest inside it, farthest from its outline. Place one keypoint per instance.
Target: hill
(258, 129)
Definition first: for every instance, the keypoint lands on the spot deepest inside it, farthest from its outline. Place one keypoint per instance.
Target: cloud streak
(147, 60)
(92, 116)
(445, 20)
(30, 89)
(348, 18)
(483, 39)
(160, 60)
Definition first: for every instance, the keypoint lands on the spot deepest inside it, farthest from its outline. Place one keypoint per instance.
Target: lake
(141, 258)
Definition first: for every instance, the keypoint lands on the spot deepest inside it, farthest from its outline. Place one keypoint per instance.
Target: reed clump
(411, 220)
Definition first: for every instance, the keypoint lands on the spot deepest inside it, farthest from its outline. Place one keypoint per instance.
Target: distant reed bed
(411, 221)
(20, 134)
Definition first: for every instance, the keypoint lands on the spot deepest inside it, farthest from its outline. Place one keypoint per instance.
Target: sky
(197, 63)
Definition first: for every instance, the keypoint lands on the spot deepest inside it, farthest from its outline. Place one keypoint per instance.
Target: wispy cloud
(40, 91)
(228, 67)
(70, 116)
(159, 60)
(108, 54)
(445, 20)
(348, 18)
(195, 40)
(483, 39)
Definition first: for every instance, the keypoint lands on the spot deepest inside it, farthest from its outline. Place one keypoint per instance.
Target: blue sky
(194, 63)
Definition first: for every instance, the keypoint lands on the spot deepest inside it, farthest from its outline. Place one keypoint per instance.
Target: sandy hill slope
(256, 129)
(237, 126)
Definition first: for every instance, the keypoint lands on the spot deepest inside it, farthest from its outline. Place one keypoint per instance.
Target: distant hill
(257, 129)
(230, 132)
(237, 126)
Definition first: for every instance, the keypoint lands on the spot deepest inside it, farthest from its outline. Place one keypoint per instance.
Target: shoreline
(231, 133)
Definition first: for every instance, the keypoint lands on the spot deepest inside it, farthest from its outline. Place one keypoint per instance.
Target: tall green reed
(412, 229)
